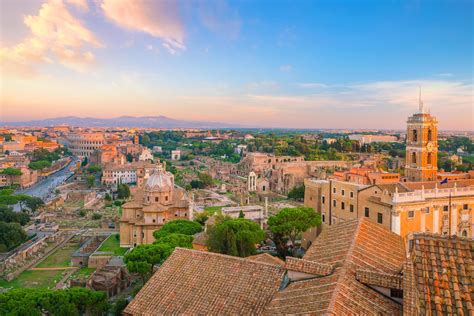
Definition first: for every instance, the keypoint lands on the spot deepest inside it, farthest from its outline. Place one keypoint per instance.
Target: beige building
(404, 208)
(151, 207)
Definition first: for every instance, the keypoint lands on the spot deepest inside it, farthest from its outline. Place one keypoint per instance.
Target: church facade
(158, 202)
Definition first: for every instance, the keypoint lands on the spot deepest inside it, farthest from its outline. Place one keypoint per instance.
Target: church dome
(159, 181)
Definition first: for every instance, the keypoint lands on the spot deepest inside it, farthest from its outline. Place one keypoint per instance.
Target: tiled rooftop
(443, 275)
(349, 246)
(197, 282)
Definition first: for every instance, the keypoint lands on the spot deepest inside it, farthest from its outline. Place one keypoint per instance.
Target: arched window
(464, 233)
(413, 158)
(429, 158)
(415, 135)
(430, 135)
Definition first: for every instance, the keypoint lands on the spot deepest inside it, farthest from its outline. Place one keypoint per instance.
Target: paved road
(45, 187)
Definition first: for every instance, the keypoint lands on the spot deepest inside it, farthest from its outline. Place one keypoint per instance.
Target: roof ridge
(344, 267)
(209, 253)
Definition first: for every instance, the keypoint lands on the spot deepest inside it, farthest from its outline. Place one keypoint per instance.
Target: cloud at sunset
(157, 18)
(56, 36)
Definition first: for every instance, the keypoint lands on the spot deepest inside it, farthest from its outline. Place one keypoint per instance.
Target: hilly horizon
(160, 121)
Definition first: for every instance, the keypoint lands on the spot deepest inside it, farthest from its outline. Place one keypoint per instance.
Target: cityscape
(236, 157)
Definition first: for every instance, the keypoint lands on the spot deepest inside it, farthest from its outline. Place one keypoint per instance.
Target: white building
(367, 139)
(176, 155)
(145, 155)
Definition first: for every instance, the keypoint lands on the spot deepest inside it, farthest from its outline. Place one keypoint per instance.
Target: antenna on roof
(420, 102)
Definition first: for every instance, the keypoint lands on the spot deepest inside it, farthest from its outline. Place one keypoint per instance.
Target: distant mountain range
(122, 121)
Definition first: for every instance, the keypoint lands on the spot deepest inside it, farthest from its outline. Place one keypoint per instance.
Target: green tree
(11, 235)
(39, 165)
(180, 226)
(236, 237)
(94, 169)
(289, 223)
(96, 216)
(33, 203)
(297, 193)
(123, 191)
(90, 181)
(241, 214)
(143, 257)
(176, 240)
(11, 172)
(206, 179)
(8, 199)
(129, 157)
(73, 301)
(7, 215)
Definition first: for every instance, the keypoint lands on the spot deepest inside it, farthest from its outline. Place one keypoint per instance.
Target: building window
(366, 212)
(334, 190)
(342, 192)
(154, 220)
(396, 293)
(379, 218)
(156, 199)
(464, 233)
(334, 203)
(323, 217)
(413, 158)
(429, 159)
(352, 195)
(445, 208)
(166, 198)
(465, 206)
(411, 214)
(351, 208)
(415, 135)
(430, 136)
(323, 199)
(343, 205)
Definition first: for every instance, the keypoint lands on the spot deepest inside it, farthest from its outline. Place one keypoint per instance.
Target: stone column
(436, 220)
(454, 220)
(423, 220)
(396, 222)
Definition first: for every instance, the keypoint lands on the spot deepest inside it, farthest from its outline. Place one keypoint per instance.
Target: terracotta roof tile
(443, 274)
(198, 282)
(349, 246)
(310, 267)
(265, 257)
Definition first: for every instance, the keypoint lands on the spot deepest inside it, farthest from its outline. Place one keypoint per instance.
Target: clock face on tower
(429, 146)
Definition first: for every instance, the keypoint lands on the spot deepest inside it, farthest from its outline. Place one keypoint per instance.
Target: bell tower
(421, 146)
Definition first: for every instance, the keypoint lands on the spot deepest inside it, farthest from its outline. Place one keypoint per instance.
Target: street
(45, 187)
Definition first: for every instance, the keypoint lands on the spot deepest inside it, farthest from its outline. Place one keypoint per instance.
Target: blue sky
(353, 64)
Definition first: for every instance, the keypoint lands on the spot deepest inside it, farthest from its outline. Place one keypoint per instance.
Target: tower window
(366, 211)
(379, 218)
(429, 158)
(429, 135)
(413, 158)
(415, 135)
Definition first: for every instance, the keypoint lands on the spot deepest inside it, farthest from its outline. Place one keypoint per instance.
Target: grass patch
(36, 279)
(112, 244)
(82, 273)
(59, 258)
(213, 209)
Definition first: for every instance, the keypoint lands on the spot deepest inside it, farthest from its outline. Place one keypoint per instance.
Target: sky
(299, 64)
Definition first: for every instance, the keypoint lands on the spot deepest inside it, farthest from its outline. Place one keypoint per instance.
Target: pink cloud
(56, 36)
(157, 18)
